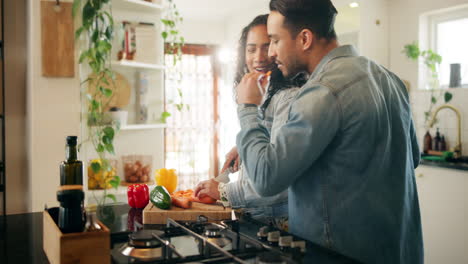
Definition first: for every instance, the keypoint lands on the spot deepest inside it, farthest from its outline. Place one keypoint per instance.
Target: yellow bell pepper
(166, 178)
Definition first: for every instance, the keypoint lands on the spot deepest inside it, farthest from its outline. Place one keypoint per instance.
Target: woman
(254, 44)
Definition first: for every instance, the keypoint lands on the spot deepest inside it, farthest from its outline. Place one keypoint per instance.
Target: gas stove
(208, 242)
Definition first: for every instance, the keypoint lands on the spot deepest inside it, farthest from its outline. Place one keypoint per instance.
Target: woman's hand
(207, 188)
(248, 91)
(232, 157)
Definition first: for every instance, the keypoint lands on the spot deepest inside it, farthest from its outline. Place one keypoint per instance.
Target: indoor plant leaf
(448, 97)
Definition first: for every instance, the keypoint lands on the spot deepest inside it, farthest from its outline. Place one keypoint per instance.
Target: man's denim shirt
(241, 193)
(347, 153)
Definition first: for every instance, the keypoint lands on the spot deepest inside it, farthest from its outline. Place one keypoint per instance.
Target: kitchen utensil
(58, 40)
(224, 177)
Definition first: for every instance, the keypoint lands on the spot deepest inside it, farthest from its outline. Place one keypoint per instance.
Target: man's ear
(305, 39)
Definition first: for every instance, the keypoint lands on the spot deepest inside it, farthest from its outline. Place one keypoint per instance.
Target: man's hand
(207, 188)
(248, 90)
(232, 156)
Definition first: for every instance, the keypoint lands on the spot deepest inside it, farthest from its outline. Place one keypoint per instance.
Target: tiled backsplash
(447, 119)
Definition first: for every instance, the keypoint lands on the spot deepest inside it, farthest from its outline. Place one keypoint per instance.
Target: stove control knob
(263, 233)
(299, 244)
(273, 237)
(285, 241)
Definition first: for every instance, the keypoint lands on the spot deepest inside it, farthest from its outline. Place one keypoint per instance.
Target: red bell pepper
(138, 195)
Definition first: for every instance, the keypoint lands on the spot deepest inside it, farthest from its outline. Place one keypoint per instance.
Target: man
(348, 151)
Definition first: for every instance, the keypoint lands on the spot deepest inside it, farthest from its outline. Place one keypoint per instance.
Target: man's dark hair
(316, 15)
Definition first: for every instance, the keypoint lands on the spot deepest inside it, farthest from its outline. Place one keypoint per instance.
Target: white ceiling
(220, 10)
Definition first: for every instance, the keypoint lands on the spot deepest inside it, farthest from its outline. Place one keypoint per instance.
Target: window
(449, 39)
(191, 138)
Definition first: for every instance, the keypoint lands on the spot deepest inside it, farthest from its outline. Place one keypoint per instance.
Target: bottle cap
(72, 140)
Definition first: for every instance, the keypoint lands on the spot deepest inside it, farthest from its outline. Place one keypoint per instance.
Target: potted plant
(97, 27)
(432, 61)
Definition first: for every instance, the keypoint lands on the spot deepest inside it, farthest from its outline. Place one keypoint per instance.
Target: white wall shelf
(143, 126)
(139, 5)
(141, 65)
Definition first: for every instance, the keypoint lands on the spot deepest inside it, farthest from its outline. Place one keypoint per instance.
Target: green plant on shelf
(174, 42)
(432, 61)
(97, 27)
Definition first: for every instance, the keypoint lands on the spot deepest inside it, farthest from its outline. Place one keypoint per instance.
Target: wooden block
(58, 40)
(154, 215)
(84, 247)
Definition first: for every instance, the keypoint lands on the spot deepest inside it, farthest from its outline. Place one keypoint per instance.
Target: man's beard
(293, 69)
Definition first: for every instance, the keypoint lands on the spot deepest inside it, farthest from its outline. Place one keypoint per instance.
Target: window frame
(441, 17)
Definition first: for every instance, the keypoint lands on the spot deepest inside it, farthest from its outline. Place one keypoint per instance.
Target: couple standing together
(335, 153)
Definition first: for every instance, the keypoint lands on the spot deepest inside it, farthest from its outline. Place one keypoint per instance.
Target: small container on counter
(137, 168)
(427, 142)
(443, 144)
(91, 224)
(437, 141)
(100, 179)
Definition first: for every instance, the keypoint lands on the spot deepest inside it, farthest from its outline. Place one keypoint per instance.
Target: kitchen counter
(445, 164)
(21, 236)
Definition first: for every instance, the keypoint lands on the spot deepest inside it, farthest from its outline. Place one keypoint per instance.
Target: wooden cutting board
(154, 215)
(58, 48)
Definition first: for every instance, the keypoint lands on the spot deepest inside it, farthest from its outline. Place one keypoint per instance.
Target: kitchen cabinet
(136, 137)
(443, 199)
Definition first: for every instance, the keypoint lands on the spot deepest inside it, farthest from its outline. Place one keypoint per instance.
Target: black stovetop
(21, 235)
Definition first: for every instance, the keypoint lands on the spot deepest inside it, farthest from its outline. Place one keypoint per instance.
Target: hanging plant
(432, 61)
(97, 26)
(174, 43)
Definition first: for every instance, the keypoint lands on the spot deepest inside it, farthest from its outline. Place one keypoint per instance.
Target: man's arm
(313, 122)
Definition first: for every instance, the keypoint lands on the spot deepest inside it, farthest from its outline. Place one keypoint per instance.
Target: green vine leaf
(164, 116)
(115, 182)
(448, 97)
(106, 140)
(83, 56)
(95, 104)
(112, 197)
(108, 33)
(110, 148)
(75, 7)
(96, 167)
(100, 148)
(106, 92)
(78, 32)
(88, 13)
(412, 51)
(109, 132)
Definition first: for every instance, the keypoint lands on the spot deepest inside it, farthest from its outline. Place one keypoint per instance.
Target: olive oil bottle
(71, 169)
